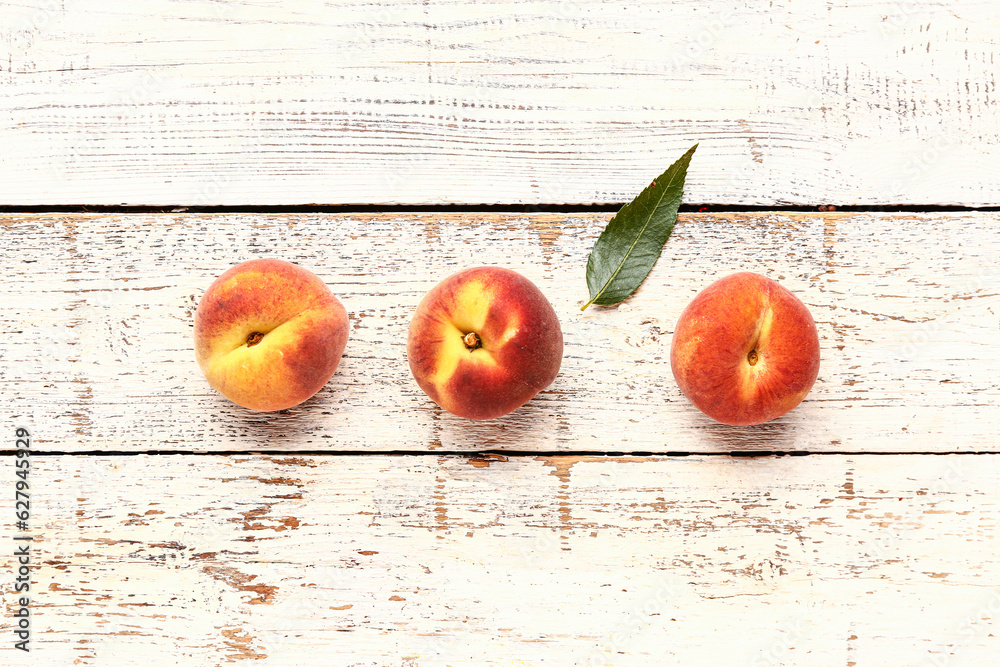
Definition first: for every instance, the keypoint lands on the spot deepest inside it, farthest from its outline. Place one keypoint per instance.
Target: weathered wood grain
(206, 102)
(97, 349)
(426, 560)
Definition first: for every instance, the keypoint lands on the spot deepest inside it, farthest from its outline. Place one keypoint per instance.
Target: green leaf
(628, 247)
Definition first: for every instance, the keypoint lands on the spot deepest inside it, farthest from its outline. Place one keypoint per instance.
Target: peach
(745, 350)
(483, 342)
(269, 334)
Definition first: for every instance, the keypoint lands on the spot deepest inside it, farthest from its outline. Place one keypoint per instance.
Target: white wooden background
(427, 560)
(605, 523)
(906, 306)
(200, 102)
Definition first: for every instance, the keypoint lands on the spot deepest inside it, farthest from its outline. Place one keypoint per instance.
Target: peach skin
(745, 350)
(483, 342)
(269, 334)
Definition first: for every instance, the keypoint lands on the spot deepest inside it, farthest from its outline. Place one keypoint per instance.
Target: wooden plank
(98, 318)
(414, 102)
(427, 560)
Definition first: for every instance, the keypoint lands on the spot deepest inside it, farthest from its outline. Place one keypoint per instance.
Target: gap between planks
(500, 454)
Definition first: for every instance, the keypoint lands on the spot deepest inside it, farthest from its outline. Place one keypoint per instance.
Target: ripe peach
(269, 334)
(483, 342)
(745, 350)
